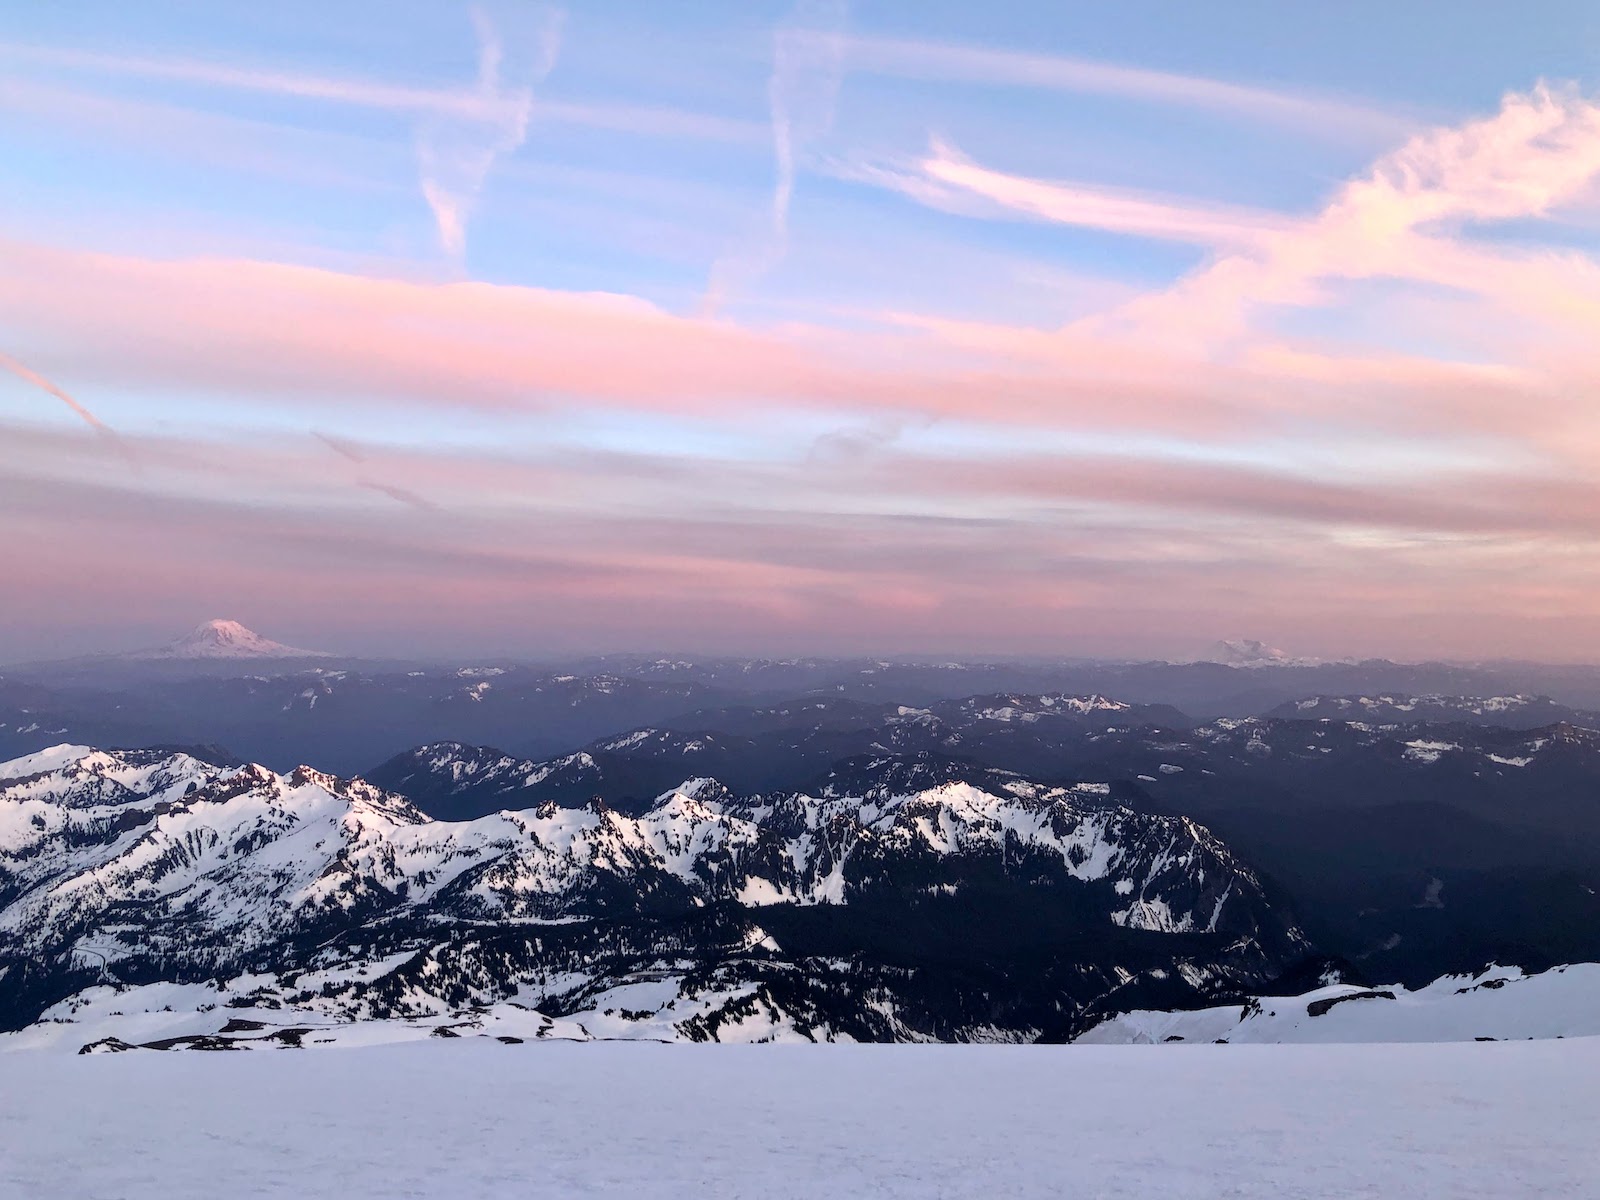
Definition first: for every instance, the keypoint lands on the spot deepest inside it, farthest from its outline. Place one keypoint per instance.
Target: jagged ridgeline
(909, 898)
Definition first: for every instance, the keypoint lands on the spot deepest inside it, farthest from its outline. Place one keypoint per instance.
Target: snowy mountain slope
(252, 1014)
(1413, 851)
(148, 829)
(1499, 1004)
(143, 867)
(452, 781)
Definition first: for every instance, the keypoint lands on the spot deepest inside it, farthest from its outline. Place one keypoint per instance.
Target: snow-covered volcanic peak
(1248, 652)
(226, 639)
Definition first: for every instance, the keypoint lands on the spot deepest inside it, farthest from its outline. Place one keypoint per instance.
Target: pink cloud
(263, 327)
(1101, 208)
(1539, 152)
(1186, 361)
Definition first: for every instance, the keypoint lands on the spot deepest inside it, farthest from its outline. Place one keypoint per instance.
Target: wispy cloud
(807, 69)
(946, 179)
(466, 104)
(1317, 116)
(460, 133)
(455, 151)
(469, 103)
(802, 90)
(1403, 220)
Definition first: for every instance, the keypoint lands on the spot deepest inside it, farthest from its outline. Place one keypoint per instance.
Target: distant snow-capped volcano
(225, 639)
(1248, 652)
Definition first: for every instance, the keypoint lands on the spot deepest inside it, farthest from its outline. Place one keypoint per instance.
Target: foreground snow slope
(451, 1118)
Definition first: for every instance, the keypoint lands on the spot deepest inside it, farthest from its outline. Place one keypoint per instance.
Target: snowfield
(1499, 1004)
(473, 1118)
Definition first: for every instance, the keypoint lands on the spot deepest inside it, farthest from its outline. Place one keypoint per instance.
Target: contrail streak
(455, 153)
(354, 453)
(40, 381)
(403, 495)
(340, 447)
(807, 72)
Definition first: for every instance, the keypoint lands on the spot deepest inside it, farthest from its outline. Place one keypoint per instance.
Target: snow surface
(1501, 1003)
(451, 1118)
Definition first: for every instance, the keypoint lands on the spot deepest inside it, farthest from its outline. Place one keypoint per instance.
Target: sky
(881, 326)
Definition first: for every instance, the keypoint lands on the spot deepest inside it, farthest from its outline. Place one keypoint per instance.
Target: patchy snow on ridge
(1425, 751)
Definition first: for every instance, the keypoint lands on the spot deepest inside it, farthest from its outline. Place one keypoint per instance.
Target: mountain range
(905, 900)
(859, 848)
